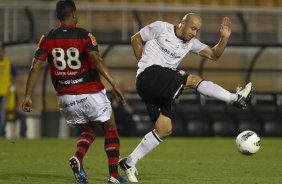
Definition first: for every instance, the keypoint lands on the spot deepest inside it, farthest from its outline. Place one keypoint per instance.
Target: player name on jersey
(71, 81)
(59, 73)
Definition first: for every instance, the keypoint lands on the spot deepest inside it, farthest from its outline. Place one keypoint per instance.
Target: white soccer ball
(248, 142)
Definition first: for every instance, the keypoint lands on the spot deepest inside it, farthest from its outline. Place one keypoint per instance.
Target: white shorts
(80, 109)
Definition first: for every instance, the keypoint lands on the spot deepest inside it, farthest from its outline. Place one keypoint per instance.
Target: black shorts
(158, 87)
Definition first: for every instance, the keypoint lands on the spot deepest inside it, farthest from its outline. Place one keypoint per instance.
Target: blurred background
(253, 54)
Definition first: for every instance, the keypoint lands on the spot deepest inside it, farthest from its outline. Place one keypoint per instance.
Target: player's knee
(85, 127)
(164, 128)
(163, 133)
(169, 132)
(192, 81)
(108, 125)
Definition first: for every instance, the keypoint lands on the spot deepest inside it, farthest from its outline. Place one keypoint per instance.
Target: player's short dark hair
(64, 8)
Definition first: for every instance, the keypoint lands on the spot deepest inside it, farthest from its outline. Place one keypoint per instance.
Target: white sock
(210, 89)
(148, 143)
(10, 130)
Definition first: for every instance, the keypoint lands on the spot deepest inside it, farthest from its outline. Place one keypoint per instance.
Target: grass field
(175, 161)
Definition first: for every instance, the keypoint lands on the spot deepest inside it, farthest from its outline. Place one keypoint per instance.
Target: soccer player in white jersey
(159, 82)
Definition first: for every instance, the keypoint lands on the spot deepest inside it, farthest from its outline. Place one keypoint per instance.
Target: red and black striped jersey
(71, 70)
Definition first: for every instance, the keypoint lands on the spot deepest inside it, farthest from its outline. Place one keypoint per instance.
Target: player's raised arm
(31, 81)
(225, 32)
(137, 45)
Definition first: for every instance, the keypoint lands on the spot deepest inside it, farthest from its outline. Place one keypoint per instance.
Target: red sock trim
(111, 133)
(114, 146)
(113, 161)
(86, 137)
(115, 175)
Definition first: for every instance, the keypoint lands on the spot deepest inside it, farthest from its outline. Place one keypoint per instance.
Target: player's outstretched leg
(239, 99)
(244, 96)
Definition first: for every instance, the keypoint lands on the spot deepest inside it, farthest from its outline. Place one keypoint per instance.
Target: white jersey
(163, 47)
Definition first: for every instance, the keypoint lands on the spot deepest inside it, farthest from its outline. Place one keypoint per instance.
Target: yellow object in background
(5, 77)
(11, 104)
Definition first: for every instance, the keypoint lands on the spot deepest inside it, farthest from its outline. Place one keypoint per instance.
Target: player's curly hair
(64, 8)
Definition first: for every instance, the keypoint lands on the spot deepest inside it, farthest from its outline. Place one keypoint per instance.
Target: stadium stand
(253, 54)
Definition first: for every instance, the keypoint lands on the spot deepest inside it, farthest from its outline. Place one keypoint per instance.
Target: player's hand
(27, 104)
(119, 95)
(225, 29)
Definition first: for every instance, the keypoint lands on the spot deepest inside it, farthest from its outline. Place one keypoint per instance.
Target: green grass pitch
(175, 161)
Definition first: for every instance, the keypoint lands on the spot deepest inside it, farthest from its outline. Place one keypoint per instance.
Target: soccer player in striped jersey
(159, 82)
(75, 65)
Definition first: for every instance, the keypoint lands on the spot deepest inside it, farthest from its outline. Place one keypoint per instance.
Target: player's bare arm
(215, 52)
(31, 81)
(137, 45)
(103, 70)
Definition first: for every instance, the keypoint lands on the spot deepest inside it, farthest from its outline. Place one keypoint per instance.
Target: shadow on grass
(29, 178)
(25, 177)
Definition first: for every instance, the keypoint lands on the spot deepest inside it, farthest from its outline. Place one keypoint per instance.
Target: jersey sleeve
(91, 43)
(152, 31)
(198, 46)
(41, 53)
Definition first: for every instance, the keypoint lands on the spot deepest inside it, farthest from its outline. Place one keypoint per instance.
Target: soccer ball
(248, 142)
